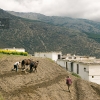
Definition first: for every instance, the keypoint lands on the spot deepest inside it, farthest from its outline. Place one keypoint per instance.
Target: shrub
(13, 52)
(76, 75)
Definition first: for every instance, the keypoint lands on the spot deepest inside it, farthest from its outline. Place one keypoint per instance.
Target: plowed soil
(48, 83)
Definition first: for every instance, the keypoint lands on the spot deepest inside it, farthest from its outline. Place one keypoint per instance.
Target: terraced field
(48, 83)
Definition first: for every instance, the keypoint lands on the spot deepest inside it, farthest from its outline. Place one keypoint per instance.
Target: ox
(34, 65)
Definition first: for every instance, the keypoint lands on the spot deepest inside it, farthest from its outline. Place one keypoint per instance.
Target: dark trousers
(68, 87)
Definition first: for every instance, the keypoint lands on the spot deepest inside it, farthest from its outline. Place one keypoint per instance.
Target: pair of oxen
(32, 64)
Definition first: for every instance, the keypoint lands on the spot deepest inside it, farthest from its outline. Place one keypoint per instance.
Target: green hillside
(50, 34)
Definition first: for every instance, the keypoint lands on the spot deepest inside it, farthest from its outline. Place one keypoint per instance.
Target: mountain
(45, 33)
(83, 25)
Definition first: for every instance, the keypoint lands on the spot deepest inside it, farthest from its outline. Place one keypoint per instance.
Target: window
(71, 66)
(59, 56)
(77, 68)
(66, 66)
(92, 76)
(85, 69)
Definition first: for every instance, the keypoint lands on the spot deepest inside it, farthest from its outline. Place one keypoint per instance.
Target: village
(88, 68)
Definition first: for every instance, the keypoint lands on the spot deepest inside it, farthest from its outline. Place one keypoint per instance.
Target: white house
(15, 49)
(66, 59)
(52, 55)
(86, 67)
(73, 57)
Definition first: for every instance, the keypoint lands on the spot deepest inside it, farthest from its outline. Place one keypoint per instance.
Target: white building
(15, 49)
(86, 67)
(88, 70)
(73, 57)
(52, 55)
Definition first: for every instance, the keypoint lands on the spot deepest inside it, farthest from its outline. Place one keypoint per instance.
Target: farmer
(16, 65)
(68, 82)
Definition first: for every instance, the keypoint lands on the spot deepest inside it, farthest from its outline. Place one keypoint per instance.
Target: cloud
(89, 9)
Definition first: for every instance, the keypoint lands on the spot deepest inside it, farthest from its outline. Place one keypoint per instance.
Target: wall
(83, 73)
(15, 49)
(51, 55)
(61, 63)
(94, 73)
(54, 56)
(45, 55)
(69, 65)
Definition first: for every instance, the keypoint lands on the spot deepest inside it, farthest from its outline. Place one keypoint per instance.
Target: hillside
(85, 26)
(65, 35)
(47, 84)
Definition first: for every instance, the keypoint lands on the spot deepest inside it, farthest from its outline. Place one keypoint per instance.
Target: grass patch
(2, 55)
(76, 75)
(51, 60)
(1, 97)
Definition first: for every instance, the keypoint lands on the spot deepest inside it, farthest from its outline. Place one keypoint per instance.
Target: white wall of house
(79, 69)
(69, 66)
(55, 56)
(94, 73)
(74, 57)
(20, 50)
(51, 55)
(44, 55)
(39, 54)
(15, 49)
(75, 67)
(61, 62)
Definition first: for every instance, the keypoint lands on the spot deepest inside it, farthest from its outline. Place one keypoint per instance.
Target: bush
(24, 53)
(13, 52)
(76, 75)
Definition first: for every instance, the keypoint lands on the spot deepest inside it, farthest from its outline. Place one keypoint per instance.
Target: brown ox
(25, 62)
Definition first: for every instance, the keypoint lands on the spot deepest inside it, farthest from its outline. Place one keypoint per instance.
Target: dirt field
(47, 84)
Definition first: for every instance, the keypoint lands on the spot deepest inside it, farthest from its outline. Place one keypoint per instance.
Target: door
(71, 66)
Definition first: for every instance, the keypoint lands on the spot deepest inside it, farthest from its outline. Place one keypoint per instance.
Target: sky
(86, 9)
